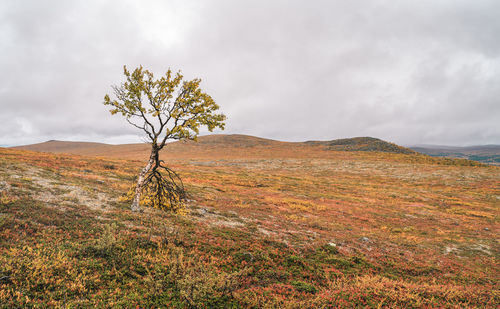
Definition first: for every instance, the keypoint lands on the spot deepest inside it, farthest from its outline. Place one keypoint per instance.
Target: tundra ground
(277, 230)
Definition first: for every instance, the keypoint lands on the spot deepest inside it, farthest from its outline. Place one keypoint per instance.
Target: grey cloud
(407, 71)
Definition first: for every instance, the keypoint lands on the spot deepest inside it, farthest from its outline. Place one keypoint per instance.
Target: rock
(486, 229)
(365, 239)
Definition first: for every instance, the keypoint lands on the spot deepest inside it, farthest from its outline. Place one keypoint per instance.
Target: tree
(165, 108)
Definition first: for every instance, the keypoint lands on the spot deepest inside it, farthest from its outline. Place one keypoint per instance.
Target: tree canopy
(164, 108)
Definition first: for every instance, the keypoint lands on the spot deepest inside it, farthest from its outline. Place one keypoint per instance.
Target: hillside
(61, 146)
(311, 229)
(210, 145)
(362, 144)
(236, 140)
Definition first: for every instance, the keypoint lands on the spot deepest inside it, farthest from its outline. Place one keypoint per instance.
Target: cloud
(408, 72)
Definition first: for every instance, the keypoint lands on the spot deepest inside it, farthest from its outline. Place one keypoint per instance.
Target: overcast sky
(410, 72)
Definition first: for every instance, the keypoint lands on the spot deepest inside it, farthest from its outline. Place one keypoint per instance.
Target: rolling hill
(362, 144)
(211, 144)
(61, 146)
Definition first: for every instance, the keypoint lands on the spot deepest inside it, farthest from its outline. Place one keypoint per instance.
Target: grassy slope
(363, 144)
(408, 230)
(215, 144)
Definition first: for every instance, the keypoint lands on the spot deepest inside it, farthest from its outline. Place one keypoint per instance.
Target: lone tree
(164, 108)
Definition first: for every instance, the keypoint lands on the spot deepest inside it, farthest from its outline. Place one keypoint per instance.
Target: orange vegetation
(269, 224)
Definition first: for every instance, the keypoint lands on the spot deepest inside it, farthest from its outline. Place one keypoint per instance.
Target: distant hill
(60, 146)
(237, 140)
(124, 151)
(362, 144)
(489, 154)
(226, 144)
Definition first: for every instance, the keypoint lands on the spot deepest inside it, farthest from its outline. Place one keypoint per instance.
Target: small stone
(486, 229)
(331, 244)
(365, 239)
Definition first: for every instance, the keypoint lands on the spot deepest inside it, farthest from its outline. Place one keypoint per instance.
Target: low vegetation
(263, 229)
(363, 144)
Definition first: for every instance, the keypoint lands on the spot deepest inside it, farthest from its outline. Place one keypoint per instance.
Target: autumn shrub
(304, 287)
(269, 276)
(329, 249)
(6, 220)
(106, 245)
(109, 166)
(6, 199)
(208, 286)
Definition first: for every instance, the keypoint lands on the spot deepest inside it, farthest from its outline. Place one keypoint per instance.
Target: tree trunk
(140, 180)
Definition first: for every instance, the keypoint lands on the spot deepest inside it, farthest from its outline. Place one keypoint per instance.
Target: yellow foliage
(297, 204)
(149, 199)
(474, 213)
(6, 198)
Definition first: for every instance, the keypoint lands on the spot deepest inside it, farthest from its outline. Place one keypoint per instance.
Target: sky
(409, 72)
